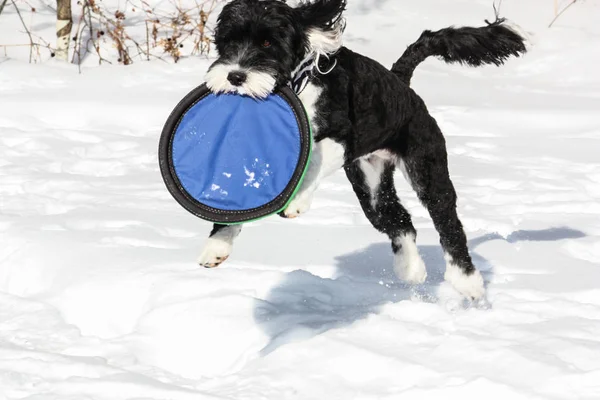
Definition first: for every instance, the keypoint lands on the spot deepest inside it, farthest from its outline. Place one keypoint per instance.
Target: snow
(101, 298)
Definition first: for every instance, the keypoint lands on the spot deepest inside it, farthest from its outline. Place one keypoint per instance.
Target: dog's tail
(491, 44)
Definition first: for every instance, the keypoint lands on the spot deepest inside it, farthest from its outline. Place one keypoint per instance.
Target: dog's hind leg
(219, 245)
(372, 178)
(426, 167)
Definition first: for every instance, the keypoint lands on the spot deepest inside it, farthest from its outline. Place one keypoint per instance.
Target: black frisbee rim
(231, 217)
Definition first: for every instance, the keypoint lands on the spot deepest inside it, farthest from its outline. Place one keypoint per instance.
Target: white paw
(410, 269)
(214, 253)
(470, 286)
(408, 264)
(299, 205)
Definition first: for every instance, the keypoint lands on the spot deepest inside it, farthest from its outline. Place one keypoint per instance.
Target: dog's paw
(410, 269)
(299, 205)
(408, 264)
(215, 252)
(471, 286)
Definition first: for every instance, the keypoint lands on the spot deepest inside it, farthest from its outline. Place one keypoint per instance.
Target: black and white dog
(365, 118)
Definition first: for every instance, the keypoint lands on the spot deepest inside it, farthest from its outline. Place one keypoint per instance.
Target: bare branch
(169, 34)
(31, 42)
(497, 9)
(2, 4)
(561, 13)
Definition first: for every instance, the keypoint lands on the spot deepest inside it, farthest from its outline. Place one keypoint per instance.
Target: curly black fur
(491, 44)
(321, 14)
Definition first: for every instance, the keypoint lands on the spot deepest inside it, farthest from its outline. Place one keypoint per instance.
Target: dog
(365, 118)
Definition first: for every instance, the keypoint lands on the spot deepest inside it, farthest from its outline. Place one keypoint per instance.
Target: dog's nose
(236, 78)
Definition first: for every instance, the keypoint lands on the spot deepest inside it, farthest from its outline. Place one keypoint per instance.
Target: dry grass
(107, 33)
(165, 34)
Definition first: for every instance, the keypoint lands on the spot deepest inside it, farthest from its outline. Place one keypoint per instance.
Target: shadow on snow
(305, 305)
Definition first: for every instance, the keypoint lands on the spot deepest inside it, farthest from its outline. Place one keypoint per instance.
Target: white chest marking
(309, 97)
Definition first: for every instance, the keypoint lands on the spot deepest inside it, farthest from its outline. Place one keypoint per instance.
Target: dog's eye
(266, 44)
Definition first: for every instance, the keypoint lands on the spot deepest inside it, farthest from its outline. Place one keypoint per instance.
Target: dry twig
(2, 4)
(31, 42)
(561, 12)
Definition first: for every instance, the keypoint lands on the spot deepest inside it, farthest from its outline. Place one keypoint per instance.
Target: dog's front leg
(327, 157)
(219, 245)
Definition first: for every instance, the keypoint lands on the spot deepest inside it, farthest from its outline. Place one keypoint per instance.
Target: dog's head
(260, 42)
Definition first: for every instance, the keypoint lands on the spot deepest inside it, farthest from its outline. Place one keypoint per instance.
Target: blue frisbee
(229, 158)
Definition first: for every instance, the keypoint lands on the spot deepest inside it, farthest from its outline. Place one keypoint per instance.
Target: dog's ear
(320, 14)
(324, 24)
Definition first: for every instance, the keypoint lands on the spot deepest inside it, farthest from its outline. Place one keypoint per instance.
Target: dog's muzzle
(232, 78)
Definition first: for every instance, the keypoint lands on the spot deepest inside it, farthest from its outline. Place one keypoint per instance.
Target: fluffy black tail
(491, 44)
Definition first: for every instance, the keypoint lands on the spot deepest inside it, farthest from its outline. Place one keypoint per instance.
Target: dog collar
(305, 71)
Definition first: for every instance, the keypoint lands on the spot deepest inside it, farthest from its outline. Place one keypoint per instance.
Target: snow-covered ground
(101, 299)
